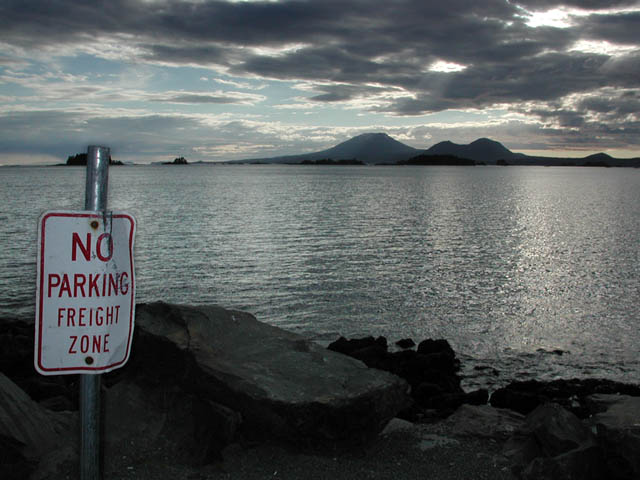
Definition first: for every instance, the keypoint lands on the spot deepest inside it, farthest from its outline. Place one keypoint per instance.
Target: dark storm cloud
(620, 28)
(542, 5)
(54, 130)
(353, 44)
(340, 93)
(203, 55)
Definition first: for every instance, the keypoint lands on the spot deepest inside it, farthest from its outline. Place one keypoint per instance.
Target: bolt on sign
(85, 294)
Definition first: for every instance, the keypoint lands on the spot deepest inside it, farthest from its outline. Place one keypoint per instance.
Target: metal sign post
(95, 199)
(85, 298)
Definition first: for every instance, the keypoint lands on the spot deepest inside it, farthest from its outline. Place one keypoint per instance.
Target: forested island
(80, 159)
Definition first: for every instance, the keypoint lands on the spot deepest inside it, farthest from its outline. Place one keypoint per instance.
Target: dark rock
(281, 384)
(477, 397)
(374, 356)
(518, 401)
(40, 388)
(435, 367)
(14, 463)
(571, 394)
(424, 392)
(400, 360)
(450, 383)
(552, 441)
(195, 430)
(32, 433)
(406, 343)
(618, 433)
(582, 463)
(16, 358)
(449, 402)
(557, 430)
(16, 349)
(429, 346)
(430, 371)
(348, 347)
(60, 403)
(483, 421)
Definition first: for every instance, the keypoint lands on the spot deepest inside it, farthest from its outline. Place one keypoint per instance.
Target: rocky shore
(214, 393)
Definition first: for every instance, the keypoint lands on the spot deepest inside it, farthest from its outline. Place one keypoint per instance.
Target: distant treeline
(329, 161)
(177, 161)
(80, 159)
(437, 160)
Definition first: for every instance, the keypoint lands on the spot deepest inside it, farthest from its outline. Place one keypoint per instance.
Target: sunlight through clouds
(446, 67)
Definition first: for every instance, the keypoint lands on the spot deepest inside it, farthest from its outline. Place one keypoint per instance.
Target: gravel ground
(418, 452)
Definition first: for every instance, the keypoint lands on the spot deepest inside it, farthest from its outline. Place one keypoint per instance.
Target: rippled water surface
(509, 264)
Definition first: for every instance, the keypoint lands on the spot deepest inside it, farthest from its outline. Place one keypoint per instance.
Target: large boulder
(32, 437)
(484, 421)
(618, 433)
(165, 418)
(282, 384)
(554, 444)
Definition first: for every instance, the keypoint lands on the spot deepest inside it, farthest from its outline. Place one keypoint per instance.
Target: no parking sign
(85, 298)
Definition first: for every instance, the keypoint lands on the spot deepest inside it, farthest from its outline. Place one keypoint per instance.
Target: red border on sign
(41, 289)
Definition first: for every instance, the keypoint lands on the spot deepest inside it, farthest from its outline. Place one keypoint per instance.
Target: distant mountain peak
(374, 147)
(372, 135)
(486, 141)
(481, 150)
(599, 157)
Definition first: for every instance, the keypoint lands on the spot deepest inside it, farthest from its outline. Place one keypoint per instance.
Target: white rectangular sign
(85, 295)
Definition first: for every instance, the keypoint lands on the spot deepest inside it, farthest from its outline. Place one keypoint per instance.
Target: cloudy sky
(218, 80)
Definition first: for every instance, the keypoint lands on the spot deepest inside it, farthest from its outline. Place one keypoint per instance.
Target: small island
(177, 161)
(80, 159)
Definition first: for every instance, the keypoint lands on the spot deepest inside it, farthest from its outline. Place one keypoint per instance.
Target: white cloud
(446, 67)
(602, 47)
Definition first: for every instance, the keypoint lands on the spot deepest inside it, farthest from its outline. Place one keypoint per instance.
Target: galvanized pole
(96, 200)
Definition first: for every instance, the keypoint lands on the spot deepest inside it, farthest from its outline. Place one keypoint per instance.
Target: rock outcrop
(431, 370)
(198, 379)
(164, 417)
(525, 396)
(281, 384)
(484, 421)
(618, 433)
(554, 444)
(31, 434)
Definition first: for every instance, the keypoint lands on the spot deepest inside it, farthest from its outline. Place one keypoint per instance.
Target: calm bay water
(509, 264)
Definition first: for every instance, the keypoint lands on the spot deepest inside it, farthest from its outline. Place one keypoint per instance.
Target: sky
(225, 80)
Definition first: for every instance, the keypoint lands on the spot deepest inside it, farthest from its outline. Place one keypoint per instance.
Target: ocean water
(512, 265)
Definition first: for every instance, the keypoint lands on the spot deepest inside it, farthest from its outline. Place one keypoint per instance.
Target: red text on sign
(104, 241)
(87, 285)
(88, 317)
(88, 344)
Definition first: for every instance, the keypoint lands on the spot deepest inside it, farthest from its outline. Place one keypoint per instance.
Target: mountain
(482, 150)
(372, 148)
(378, 148)
(367, 148)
